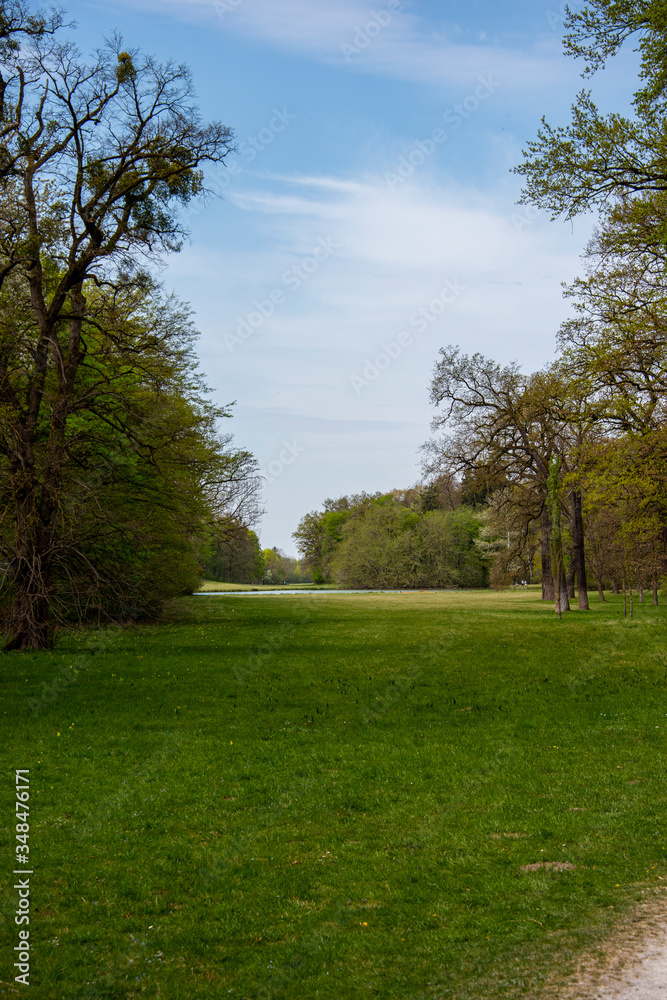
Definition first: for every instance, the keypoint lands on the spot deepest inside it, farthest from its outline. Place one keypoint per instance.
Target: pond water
(277, 593)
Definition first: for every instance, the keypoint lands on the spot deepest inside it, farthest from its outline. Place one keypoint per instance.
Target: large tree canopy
(100, 409)
(600, 157)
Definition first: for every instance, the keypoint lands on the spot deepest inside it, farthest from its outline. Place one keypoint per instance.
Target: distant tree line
(281, 568)
(234, 555)
(404, 539)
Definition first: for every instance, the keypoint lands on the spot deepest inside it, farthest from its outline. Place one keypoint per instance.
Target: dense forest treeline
(405, 539)
(234, 555)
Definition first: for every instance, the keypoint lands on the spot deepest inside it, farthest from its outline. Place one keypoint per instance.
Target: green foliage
(19, 24)
(283, 569)
(232, 554)
(616, 347)
(138, 457)
(332, 523)
(392, 546)
(429, 499)
(125, 70)
(586, 432)
(379, 542)
(600, 29)
(597, 158)
(625, 482)
(316, 545)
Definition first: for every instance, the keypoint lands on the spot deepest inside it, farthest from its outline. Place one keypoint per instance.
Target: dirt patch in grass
(630, 963)
(559, 866)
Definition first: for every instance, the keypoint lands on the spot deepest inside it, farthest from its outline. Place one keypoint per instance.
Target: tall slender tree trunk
(561, 602)
(654, 588)
(561, 599)
(545, 551)
(600, 589)
(570, 578)
(578, 548)
(641, 593)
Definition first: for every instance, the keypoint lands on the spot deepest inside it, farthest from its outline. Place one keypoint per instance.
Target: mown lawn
(334, 796)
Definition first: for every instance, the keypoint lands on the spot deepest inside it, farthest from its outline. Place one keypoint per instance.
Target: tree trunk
(547, 576)
(614, 586)
(570, 578)
(654, 587)
(29, 626)
(641, 593)
(578, 549)
(600, 589)
(38, 495)
(564, 596)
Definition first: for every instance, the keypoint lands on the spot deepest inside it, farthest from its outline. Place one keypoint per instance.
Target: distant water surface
(277, 593)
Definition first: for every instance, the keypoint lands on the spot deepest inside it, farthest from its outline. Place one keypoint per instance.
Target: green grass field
(334, 796)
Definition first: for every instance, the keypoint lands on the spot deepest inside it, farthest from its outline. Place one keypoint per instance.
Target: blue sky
(368, 219)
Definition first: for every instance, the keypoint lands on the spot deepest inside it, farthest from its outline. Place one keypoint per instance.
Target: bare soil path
(630, 965)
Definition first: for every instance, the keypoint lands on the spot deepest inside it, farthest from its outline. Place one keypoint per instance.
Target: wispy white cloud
(383, 38)
(415, 55)
(298, 23)
(418, 226)
(394, 250)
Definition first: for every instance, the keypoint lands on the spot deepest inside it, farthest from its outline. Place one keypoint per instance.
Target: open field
(334, 796)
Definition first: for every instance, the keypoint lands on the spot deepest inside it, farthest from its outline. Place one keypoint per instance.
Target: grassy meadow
(335, 796)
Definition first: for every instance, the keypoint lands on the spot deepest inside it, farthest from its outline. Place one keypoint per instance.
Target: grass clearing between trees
(335, 796)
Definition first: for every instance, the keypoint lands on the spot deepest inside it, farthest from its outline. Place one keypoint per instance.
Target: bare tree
(504, 429)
